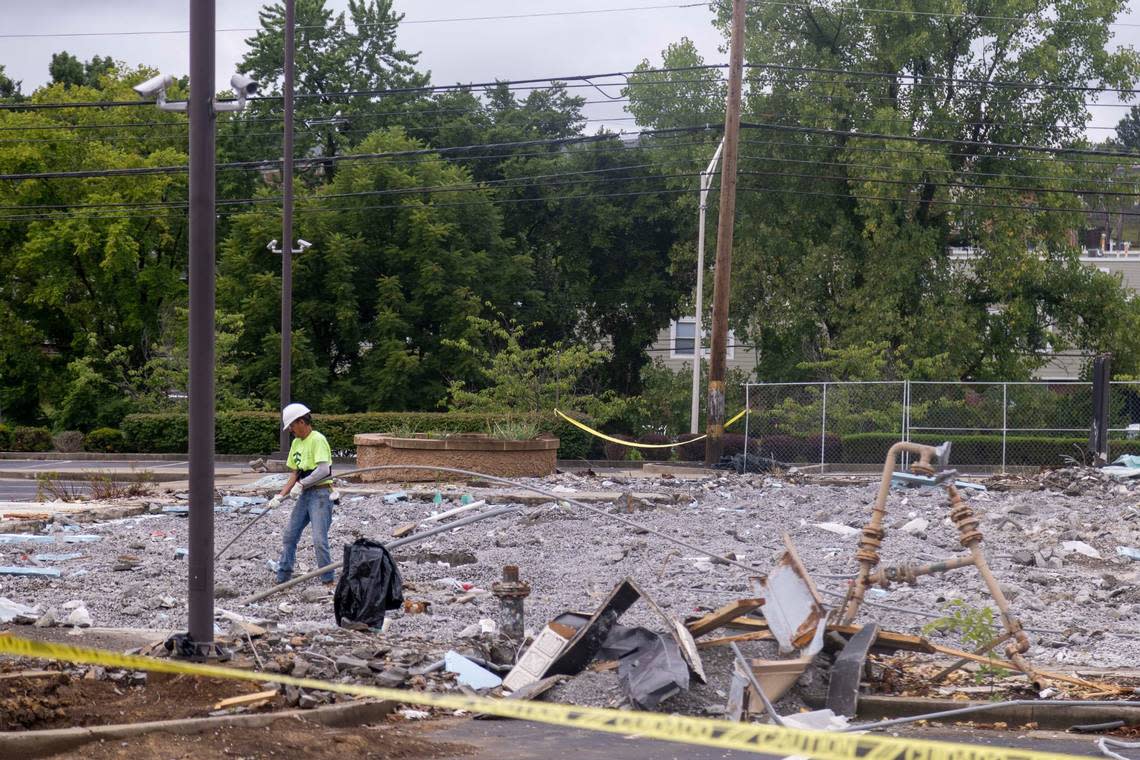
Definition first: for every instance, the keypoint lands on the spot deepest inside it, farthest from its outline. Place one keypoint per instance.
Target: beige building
(1121, 262)
(675, 344)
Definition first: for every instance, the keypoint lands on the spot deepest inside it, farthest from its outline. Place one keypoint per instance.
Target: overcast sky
(467, 51)
(457, 51)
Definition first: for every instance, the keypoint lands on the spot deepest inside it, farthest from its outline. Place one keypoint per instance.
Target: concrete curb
(1052, 714)
(33, 744)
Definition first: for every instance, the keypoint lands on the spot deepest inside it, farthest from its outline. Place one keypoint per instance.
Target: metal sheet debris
(653, 673)
(468, 673)
(47, 572)
(792, 607)
(847, 672)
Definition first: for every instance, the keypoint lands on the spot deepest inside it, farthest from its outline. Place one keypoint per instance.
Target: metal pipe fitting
(511, 592)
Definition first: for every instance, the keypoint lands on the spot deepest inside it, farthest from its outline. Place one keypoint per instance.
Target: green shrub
(655, 455)
(1023, 451)
(691, 451)
(106, 440)
(31, 439)
(5, 437)
(156, 433)
(258, 432)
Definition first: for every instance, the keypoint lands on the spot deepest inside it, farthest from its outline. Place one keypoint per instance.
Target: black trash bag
(369, 585)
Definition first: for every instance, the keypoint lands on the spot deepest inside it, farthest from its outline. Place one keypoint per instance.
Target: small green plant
(978, 629)
(513, 430)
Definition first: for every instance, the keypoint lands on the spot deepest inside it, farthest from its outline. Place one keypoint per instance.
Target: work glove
(296, 490)
(274, 502)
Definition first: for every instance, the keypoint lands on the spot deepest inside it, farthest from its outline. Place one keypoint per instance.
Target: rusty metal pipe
(907, 573)
(872, 538)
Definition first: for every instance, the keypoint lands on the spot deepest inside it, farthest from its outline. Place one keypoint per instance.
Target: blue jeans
(313, 507)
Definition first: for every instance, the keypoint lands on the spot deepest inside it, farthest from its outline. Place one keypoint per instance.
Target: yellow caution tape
(748, 737)
(631, 444)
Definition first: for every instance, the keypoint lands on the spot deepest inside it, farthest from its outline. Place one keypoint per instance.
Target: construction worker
(310, 460)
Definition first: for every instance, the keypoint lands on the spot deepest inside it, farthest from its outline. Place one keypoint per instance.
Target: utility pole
(287, 224)
(706, 182)
(201, 390)
(714, 444)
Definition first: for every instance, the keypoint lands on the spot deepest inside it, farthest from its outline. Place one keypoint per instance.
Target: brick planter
(481, 453)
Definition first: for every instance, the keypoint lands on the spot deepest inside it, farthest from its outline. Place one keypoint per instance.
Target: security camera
(243, 85)
(272, 247)
(153, 86)
(303, 245)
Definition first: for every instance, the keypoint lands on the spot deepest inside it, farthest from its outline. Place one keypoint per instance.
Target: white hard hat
(292, 413)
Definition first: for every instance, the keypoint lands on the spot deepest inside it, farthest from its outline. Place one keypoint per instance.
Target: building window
(682, 340)
(684, 337)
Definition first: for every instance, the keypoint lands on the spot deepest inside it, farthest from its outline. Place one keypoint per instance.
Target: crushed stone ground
(1085, 609)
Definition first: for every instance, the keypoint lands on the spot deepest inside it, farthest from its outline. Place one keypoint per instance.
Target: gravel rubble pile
(1051, 540)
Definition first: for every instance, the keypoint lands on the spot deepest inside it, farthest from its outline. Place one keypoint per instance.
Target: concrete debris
(77, 618)
(842, 530)
(916, 527)
(1129, 552)
(239, 502)
(14, 612)
(1080, 547)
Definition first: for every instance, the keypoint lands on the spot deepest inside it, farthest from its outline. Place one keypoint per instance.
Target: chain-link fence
(992, 425)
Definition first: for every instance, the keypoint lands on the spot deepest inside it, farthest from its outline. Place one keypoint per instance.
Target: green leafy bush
(5, 438)
(615, 452)
(31, 439)
(1024, 451)
(690, 450)
(107, 440)
(655, 455)
(257, 432)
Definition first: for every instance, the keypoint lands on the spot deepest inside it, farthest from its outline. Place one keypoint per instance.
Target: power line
(304, 209)
(930, 14)
(583, 80)
(271, 163)
(937, 79)
(491, 184)
(402, 22)
(939, 140)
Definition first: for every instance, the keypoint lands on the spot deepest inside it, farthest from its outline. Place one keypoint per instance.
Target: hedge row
(258, 432)
(871, 448)
(25, 439)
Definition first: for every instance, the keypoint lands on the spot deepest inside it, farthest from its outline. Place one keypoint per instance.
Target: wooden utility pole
(714, 444)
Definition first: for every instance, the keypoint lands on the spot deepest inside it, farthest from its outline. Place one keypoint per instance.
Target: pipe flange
(510, 590)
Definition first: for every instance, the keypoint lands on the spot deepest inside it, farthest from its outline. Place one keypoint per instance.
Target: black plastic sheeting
(369, 585)
(650, 666)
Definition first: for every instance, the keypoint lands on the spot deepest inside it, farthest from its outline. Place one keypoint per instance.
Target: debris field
(1053, 541)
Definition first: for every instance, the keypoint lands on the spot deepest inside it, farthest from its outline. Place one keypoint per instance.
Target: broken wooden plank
(29, 674)
(247, 700)
(847, 672)
(722, 616)
(726, 640)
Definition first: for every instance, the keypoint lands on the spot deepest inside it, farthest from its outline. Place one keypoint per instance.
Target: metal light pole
(287, 224)
(201, 390)
(706, 182)
(714, 444)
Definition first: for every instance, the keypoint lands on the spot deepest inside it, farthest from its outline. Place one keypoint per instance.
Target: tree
(9, 89)
(334, 54)
(844, 239)
(78, 284)
(1128, 129)
(69, 71)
